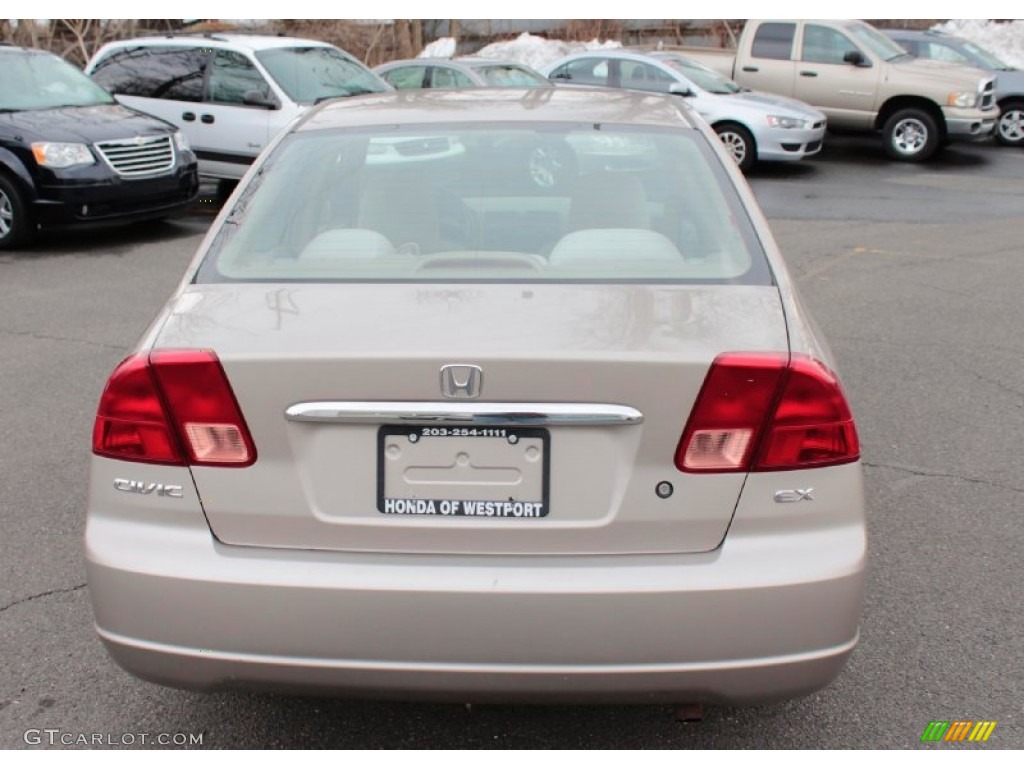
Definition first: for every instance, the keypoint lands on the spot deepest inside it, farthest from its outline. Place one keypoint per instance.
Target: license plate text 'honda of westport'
(483, 395)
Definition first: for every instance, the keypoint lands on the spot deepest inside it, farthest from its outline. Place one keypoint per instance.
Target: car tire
(739, 143)
(911, 135)
(16, 226)
(225, 188)
(1010, 128)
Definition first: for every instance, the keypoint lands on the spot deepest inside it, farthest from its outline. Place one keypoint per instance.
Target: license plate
(461, 471)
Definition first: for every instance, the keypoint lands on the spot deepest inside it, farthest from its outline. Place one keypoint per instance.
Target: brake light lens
(131, 423)
(812, 425)
(767, 412)
(727, 419)
(173, 407)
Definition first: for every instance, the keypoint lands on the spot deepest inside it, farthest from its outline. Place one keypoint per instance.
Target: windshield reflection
(43, 81)
(315, 74)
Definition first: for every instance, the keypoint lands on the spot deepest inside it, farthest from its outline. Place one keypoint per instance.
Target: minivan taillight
(174, 406)
(767, 412)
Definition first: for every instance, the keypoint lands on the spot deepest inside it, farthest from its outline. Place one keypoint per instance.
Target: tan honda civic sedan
(417, 425)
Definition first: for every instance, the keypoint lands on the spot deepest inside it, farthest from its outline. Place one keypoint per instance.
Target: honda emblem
(461, 382)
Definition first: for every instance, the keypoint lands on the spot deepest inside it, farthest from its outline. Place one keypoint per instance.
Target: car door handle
(207, 119)
(808, 73)
(751, 69)
(188, 117)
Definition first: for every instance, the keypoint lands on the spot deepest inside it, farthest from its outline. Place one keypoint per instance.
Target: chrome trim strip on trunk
(531, 414)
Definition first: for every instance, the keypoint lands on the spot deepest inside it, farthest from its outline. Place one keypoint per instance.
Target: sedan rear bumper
(766, 616)
(735, 682)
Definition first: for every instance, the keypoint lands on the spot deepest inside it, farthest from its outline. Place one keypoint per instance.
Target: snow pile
(527, 49)
(538, 52)
(442, 48)
(1006, 41)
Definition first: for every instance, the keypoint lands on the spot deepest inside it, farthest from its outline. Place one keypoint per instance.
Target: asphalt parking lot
(915, 275)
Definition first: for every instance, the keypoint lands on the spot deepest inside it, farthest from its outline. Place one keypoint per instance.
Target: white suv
(230, 94)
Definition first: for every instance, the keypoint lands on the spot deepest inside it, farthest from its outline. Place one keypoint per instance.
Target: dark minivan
(71, 156)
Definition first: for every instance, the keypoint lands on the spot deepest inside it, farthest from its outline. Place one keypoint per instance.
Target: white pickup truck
(862, 81)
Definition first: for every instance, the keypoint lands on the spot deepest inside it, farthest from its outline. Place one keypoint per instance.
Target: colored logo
(958, 730)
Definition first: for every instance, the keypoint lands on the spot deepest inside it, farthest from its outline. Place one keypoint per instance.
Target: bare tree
(417, 36)
(594, 29)
(77, 50)
(21, 32)
(403, 38)
(76, 39)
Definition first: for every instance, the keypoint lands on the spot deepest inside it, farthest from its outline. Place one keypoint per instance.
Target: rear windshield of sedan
(508, 76)
(506, 203)
(705, 78)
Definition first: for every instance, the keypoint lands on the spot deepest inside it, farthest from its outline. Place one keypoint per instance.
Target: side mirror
(258, 99)
(856, 58)
(681, 90)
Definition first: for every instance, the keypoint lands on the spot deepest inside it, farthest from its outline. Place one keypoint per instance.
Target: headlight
(779, 121)
(181, 142)
(967, 99)
(54, 155)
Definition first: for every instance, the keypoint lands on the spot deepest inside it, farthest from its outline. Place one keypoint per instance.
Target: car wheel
(1010, 129)
(739, 142)
(911, 135)
(16, 227)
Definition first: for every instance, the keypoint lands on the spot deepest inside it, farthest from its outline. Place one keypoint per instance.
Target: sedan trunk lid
(585, 390)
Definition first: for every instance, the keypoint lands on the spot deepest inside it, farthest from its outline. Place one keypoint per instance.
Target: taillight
(766, 412)
(812, 425)
(169, 406)
(727, 419)
(131, 422)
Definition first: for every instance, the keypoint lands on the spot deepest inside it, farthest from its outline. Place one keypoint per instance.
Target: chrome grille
(988, 98)
(144, 156)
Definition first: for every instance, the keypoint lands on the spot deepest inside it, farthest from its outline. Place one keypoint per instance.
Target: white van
(230, 94)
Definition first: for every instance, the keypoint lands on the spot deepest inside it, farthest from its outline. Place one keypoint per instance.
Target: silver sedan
(467, 72)
(421, 429)
(753, 125)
